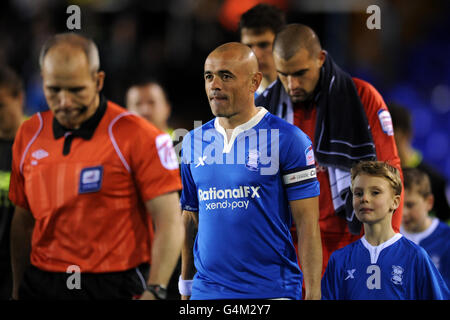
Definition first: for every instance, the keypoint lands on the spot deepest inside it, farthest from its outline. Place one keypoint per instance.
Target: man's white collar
(376, 250)
(227, 145)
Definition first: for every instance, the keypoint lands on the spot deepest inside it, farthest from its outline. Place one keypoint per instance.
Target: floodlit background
(408, 60)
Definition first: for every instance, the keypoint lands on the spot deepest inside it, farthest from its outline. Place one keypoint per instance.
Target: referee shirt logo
(91, 179)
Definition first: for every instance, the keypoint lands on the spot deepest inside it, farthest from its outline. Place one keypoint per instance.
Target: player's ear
(429, 201)
(100, 80)
(395, 203)
(256, 81)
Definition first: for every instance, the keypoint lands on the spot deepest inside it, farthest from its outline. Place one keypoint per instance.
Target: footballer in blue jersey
(383, 265)
(436, 242)
(419, 226)
(241, 189)
(397, 269)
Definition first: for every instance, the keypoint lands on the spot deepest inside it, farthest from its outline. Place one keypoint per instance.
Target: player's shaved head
(294, 37)
(238, 52)
(231, 80)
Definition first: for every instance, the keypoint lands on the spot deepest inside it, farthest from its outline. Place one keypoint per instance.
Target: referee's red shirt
(89, 205)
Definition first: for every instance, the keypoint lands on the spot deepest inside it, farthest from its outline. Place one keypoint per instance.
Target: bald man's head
(231, 79)
(294, 37)
(298, 59)
(72, 41)
(70, 78)
(238, 52)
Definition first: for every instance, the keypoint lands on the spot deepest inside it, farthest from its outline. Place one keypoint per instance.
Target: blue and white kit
(397, 269)
(241, 190)
(436, 242)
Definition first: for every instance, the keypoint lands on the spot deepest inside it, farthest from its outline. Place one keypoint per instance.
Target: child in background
(382, 265)
(418, 226)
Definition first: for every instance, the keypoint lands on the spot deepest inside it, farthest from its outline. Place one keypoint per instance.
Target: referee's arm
(190, 221)
(21, 231)
(306, 216)
(169, 235)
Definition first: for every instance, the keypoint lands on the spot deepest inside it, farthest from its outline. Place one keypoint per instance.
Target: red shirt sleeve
(382, 133)
(27, 131)
(151, 157)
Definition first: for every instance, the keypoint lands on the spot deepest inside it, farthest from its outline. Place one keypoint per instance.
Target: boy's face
(415, 210)
(373, 199)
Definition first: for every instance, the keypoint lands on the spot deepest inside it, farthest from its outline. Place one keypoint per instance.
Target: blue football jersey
(397, 269)
(241, 189)
(436, 242)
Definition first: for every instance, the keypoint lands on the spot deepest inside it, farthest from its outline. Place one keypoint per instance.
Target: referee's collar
(87, 128)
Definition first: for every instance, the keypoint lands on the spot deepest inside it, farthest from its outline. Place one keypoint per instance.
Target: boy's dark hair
(262, 17)
(10, 79)
(414, 178)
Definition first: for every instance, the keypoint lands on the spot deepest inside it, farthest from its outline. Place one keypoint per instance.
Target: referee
(85, 175)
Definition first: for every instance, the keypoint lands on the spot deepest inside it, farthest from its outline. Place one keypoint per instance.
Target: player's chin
(363, 217)
(69, 121)
(298, 98)
(219, 110)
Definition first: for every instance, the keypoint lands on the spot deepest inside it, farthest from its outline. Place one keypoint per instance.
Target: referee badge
(91, 179)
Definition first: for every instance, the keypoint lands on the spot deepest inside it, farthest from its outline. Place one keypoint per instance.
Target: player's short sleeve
(153, 162)
(381, 127)
(297, 164)
(17, 193)
(431, 285)
(188, 199)
(330, 281)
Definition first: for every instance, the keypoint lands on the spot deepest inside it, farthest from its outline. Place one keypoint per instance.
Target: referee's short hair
(86, 44)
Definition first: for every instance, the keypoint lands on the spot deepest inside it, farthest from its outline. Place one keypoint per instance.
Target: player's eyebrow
(295, 73)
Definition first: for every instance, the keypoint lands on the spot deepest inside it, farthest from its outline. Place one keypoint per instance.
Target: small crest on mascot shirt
(397, 275)
(309, 155)
(91, 179)
(386, 122)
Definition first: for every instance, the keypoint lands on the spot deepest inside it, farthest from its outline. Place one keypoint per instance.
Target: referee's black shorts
(43, 285)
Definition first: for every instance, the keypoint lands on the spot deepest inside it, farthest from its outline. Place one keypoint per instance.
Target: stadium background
(168, 40)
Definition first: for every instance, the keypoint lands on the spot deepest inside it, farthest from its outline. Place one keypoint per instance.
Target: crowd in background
(406, 60)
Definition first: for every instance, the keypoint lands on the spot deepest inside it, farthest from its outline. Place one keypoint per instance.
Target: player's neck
(378, 233)
(266, 80)
(230, 123)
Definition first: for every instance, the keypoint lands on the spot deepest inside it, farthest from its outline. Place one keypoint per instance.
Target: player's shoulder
(34, 124)
(200, 130)
(124, 122)
(411, 249)
(362, 86)
(197, 134)
(287, 131)
(443, 230)
(369, 95)
(210, 125)
(346, 252)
